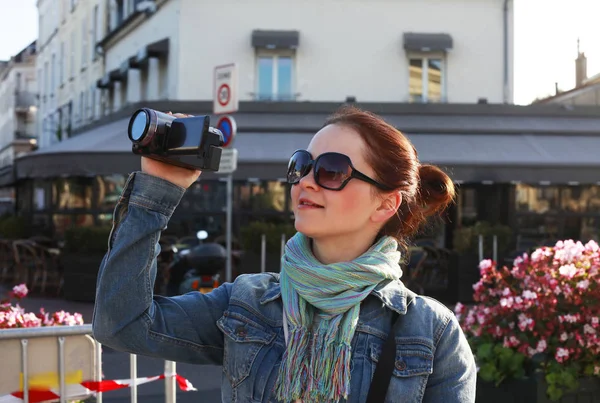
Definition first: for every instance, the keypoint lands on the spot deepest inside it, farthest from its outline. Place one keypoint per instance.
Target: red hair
(426, 190)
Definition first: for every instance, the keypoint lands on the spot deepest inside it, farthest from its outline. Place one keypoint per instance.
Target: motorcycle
(196, 268)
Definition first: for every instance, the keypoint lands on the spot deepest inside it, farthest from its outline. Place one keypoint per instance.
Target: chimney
(580, 67)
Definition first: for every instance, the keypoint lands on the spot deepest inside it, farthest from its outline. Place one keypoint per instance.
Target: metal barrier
(61, 334)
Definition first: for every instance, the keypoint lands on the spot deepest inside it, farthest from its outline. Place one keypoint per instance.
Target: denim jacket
(239, 325)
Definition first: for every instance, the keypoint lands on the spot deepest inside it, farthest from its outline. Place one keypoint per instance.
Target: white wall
(163, 24)
(347, 47)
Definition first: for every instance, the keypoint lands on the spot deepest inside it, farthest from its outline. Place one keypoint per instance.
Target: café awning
(501, 158)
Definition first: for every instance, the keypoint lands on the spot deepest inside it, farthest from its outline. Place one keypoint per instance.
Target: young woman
(315, 332)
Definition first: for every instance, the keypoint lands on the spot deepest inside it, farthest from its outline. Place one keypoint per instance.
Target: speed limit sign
(225, 91)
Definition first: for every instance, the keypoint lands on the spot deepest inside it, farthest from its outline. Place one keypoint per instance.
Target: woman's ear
(388, 206)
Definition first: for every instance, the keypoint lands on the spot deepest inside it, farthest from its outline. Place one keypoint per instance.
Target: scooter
(196, 268)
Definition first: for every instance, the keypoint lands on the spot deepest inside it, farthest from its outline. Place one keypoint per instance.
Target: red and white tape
(88, 388)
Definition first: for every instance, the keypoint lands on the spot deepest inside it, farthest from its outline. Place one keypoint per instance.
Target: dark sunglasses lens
(332, 170)
(297, 166)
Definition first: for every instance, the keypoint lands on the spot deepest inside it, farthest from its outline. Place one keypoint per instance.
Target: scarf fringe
(330, 370)
(294, 369)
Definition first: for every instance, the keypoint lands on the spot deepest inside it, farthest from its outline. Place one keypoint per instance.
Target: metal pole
(495, 249)
(133, 376)
(98, 352)
(61, 370)
(25, 369)
(480, 248)
(170, 382)
(228, 271)
(282, 244)
(263, 253)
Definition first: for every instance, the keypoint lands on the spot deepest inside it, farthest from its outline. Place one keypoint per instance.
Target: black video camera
(186, 142)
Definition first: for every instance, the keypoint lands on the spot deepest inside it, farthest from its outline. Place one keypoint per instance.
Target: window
(426, 79)
(81, 116)
(84, 42)
(40, 83)
(95, 33)
(53, 74)
(61, 64)
(92, 102)
(275, 78)
(120, 8)
(46, 79)
(72, 64)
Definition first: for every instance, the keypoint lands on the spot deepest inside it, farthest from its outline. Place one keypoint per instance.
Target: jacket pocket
(413, 357)
(244, 339)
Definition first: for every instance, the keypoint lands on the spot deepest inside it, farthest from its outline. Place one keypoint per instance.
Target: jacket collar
(393, 294)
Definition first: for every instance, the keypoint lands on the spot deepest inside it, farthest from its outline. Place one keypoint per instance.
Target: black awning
(422, 42)
(7, 176)
(155, 49)
(117, 75)
(275, 39)
(104, 82)
(501, 158)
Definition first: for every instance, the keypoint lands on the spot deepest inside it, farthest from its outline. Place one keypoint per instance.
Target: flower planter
(533, 390)
(80, 274)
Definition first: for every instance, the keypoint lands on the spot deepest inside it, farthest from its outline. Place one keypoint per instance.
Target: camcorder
(185, 142)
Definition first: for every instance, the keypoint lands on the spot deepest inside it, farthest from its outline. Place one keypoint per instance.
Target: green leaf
(554, 393)
(485, 352)
(488, 372)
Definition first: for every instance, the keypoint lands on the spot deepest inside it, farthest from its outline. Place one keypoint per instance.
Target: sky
(546, 33)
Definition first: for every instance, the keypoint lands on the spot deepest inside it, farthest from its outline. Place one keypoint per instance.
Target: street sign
(225, 97)
(227, 126)
(228, 161)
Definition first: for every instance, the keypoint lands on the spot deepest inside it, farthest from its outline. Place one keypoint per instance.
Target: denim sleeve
(454, 375)
(127, 316)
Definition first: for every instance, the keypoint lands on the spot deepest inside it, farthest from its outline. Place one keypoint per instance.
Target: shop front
(534, 169)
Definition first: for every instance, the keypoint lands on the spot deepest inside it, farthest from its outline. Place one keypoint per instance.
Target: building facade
(18, 108)
(97, 56)
(445, 82)
(313, 51)
(68, 66)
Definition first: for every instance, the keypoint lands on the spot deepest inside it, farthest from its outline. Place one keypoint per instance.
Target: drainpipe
(505, 16)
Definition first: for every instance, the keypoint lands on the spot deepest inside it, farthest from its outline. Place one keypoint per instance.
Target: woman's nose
(308, 181)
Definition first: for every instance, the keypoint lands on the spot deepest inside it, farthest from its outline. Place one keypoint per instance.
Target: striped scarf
(316, 364)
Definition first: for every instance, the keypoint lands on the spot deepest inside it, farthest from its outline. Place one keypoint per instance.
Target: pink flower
(459, 309)
(562, 354)
(541, 346)
(20, 291)
(583, 284)
(569, 271)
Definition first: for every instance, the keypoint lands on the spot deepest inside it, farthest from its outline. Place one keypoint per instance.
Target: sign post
(225, 100)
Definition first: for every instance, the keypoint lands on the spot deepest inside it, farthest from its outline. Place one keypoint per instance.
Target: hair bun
(436, 190)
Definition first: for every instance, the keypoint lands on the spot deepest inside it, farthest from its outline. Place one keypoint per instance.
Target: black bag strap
(387, 362)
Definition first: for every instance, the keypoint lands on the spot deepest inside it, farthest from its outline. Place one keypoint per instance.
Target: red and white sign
(225, 89)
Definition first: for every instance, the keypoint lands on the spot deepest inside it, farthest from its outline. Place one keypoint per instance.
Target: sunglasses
(331, 171)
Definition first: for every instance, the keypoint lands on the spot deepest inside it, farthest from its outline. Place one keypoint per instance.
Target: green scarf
(316, 367)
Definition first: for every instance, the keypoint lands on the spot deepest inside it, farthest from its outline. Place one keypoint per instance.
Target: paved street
(206, 379)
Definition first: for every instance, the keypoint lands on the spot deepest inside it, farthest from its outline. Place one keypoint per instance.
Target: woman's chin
(305, 228)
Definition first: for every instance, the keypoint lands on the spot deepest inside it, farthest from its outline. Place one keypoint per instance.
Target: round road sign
(224, 94)
(227, 126)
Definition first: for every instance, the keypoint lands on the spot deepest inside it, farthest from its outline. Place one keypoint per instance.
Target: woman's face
(342, 213)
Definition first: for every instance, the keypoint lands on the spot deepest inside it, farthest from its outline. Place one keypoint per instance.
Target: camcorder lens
(139, 126)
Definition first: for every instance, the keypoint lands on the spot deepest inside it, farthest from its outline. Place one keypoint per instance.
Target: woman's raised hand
(179, 176)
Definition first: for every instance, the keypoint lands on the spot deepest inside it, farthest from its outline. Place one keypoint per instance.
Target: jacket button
(400, 365)
(240, 331)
